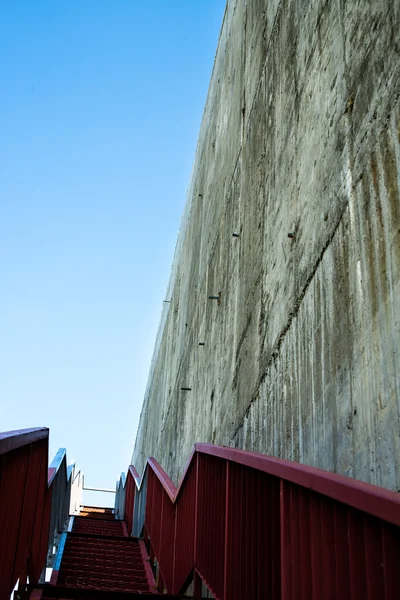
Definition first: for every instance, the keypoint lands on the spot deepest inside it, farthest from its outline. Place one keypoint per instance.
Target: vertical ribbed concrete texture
(300, 135)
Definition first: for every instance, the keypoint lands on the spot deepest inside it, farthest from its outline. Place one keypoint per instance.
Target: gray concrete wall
(301, 358)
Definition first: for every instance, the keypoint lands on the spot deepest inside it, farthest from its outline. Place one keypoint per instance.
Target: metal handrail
(11, 440)
(130, 500)
(59, 484)
(227, 496)
(105, 490)
(372, 499)
(34, 503)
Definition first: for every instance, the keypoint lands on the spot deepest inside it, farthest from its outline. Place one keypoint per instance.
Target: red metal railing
(251, 526)
(130, 501)
(26, 511)
(129, 498)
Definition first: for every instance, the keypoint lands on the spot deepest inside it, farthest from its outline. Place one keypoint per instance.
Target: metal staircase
(239, 526)
(99, 555)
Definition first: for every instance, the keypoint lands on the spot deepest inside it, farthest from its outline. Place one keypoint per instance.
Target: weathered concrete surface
(301, 133)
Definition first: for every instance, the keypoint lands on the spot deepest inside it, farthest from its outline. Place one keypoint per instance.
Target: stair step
(103, 564)
(62, 593)
(99, 560)
(98, 526)
(105, 514)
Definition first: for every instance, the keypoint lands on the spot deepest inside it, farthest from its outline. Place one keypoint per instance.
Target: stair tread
(108, 563)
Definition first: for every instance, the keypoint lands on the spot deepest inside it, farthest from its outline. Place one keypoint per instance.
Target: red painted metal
(103, 564)
(156, 515)
(183, 542)
(147, 567)
(210, 534)
(11, 440)
(167, 531)
(40, 535)
(85, 525)
(248, 525)
(32, 496)
(253, 526)
(130, 497)
(368, 498)
(99, 555)
(24, 504)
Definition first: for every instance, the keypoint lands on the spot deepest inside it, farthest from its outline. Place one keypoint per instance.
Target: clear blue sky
(100, 107)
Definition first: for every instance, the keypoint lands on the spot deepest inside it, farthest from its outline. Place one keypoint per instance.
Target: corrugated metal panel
(139, 509)
(257, 527)
(129, 500)
(23, 487)
(165, 552)
(31, 496)
(210, 521)
(185, 507)
(252, 527)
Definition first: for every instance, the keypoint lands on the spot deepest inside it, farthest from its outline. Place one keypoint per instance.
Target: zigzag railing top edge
(59, 462)
(371, 499)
